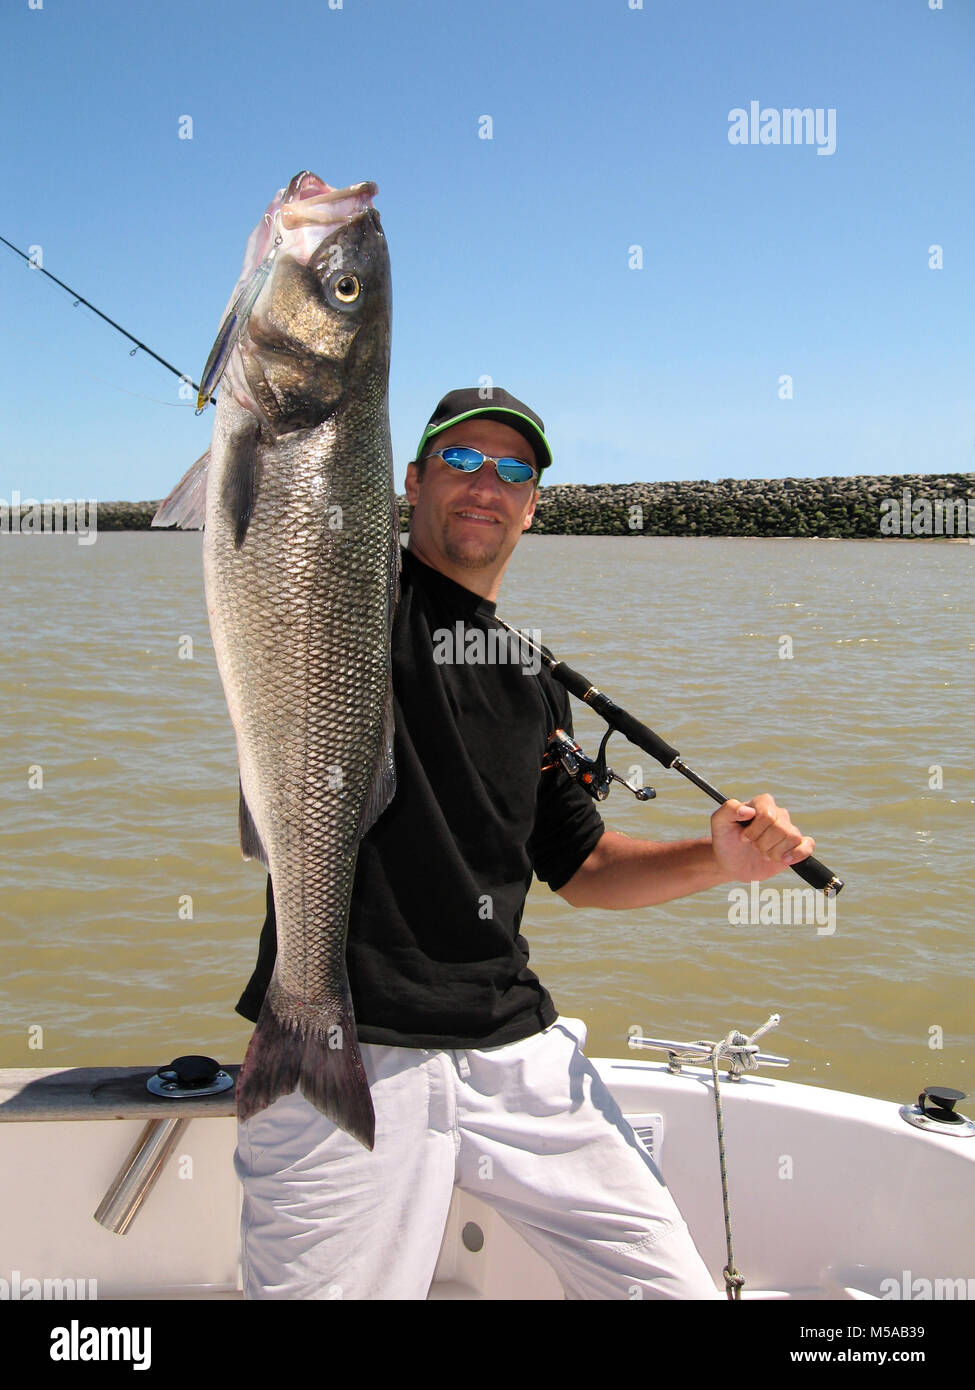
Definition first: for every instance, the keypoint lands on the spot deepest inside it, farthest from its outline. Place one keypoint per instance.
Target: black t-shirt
(435, 956)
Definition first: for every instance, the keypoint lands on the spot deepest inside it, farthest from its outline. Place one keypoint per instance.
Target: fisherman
(476, 1079)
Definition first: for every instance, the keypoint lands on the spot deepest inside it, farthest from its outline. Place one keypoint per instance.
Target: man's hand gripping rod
(811, 870)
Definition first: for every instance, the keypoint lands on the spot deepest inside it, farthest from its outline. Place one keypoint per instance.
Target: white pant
(529, 1128)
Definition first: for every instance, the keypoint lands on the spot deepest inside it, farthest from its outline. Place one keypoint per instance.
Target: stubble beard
(474, 555)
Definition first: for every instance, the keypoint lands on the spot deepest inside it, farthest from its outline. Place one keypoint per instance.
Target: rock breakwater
(857, 508)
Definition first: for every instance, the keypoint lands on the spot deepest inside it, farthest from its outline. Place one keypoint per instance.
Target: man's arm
(749, 841)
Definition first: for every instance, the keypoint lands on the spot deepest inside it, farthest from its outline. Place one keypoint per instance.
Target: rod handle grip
(615, 716)
(815, 873)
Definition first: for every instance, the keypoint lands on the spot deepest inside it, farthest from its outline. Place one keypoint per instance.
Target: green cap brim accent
(492, 412)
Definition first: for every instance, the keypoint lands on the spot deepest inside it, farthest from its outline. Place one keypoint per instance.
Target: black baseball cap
(493, 403)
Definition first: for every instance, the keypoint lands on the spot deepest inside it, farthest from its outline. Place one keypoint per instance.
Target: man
(475, 1080)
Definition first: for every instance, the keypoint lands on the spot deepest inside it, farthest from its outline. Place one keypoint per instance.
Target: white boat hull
(832, 1196)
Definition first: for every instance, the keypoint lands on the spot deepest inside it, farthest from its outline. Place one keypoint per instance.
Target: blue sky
(511, 256)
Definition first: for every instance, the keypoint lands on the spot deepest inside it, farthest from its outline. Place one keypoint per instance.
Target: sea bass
(301, 568)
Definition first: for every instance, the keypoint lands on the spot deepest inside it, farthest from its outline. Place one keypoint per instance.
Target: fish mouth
(309, 202)
(310, 209)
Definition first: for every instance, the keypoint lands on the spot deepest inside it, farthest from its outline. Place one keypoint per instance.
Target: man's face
(467, 524)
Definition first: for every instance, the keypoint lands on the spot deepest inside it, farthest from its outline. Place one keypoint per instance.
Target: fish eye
(346, 287)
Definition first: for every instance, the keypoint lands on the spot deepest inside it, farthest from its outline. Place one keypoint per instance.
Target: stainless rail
(135, 1179)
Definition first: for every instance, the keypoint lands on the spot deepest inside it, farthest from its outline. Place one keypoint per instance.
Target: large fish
(301, 566)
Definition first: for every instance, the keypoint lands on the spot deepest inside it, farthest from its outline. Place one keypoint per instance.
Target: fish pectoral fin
(239, 488)
(186, 505)
(251, 844)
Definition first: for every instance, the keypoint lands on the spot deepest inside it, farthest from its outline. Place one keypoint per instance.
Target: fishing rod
(595, 777)
(79, 299)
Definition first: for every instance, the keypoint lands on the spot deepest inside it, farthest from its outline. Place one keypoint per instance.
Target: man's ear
(531, 511)
(412, 484)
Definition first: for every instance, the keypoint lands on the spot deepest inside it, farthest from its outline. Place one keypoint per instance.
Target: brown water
(134, 825)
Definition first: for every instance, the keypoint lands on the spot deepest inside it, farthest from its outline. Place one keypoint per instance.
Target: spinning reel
(592, 774)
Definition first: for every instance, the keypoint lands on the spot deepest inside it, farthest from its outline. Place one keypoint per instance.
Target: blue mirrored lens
(466, 459)
(514, 471)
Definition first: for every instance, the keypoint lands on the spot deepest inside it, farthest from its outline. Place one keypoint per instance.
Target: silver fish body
(301, 564)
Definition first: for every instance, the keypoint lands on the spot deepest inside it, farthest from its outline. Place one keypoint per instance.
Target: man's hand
(748, 842)
(755, 839)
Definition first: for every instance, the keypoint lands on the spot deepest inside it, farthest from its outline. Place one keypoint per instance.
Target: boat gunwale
(100, 1093)
(119, 1093)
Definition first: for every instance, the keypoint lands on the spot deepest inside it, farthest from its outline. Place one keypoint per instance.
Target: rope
(742, 1052)
(733, 1278)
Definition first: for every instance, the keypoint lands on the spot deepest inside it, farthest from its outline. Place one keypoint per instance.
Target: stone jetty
(858, 508)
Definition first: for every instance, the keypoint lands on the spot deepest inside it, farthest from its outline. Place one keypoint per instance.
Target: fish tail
(311, 1047)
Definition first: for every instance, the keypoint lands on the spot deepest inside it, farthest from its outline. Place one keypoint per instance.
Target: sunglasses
(470, 460)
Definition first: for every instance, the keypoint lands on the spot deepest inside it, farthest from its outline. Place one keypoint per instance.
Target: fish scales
(311, 700)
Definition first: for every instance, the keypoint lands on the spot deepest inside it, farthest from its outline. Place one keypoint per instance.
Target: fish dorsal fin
(383, 787)
(186, 505)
